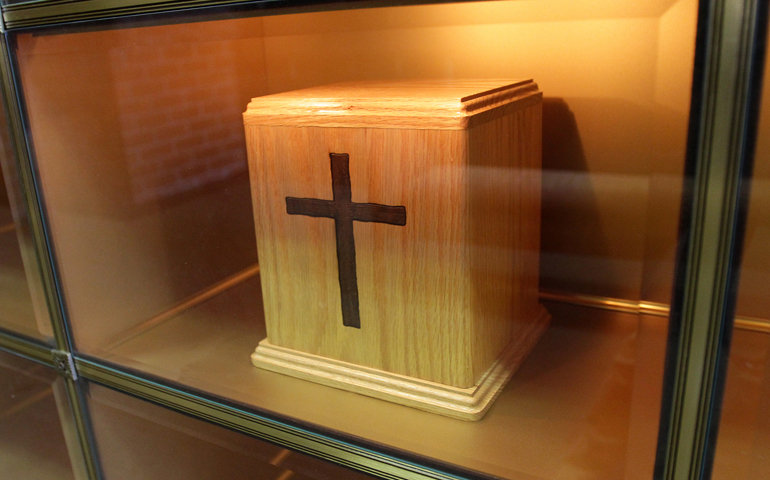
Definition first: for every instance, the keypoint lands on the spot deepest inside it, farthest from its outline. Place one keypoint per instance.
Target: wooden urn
(398, 230)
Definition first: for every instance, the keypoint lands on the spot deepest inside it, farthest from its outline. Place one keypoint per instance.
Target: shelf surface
(585, 401)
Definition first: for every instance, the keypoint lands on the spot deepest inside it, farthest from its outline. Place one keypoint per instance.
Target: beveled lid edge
(291, 109)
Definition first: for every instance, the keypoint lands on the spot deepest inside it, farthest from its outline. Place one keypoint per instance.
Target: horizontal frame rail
(55, 12)
(242, 420)
(27, 348)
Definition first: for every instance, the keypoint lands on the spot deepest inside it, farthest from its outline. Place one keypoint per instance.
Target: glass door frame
(730, 52)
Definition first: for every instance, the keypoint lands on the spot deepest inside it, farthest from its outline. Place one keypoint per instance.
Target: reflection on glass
(140, 146)
(139, 143)
(743, 445)
(137, 439)
(22, 308)
(34, 422)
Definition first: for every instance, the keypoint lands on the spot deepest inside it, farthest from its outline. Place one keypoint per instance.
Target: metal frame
(28, 348)
(283, 432)
(60, 12)
(74, 388)
(729, 52)
(704, 301)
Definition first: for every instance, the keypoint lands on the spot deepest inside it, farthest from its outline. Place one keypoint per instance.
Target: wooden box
(398, 230)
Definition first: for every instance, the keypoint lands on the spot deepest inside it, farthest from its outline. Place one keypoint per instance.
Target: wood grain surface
(440, 297)
(425, 104)
(463, 403)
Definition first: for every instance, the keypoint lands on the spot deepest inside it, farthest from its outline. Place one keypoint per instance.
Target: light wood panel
(442, 296)
(504, 197)
(469, 403)
(412, 280)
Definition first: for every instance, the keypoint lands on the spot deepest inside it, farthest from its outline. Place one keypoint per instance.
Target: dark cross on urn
(344, 212)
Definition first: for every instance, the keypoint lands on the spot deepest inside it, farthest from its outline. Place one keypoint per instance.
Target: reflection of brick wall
(180, 116)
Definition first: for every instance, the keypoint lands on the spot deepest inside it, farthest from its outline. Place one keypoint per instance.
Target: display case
(521, 214)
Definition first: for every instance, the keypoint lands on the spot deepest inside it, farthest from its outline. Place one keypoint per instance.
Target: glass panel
(22, 308)
(139, 139)
(137, 439)
(743, 445)
(35, 422)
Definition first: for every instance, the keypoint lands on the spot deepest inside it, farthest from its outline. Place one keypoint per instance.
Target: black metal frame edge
(143, 384)
(741, 128)
(670, 375)
(15, 19)
(750, 134)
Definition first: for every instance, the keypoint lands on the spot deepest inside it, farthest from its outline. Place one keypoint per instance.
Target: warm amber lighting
(139, 146)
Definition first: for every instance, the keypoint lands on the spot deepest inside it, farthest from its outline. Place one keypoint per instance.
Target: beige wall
(676, 34)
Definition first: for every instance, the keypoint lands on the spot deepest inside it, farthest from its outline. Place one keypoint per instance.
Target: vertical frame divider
(757, 29)
(711, 229)
(75, 389)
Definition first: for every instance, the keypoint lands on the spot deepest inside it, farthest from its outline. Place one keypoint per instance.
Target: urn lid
(416, 104)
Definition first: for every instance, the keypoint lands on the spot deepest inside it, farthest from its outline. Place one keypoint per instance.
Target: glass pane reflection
(22, 308)
(137, 439)
(32, 433)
